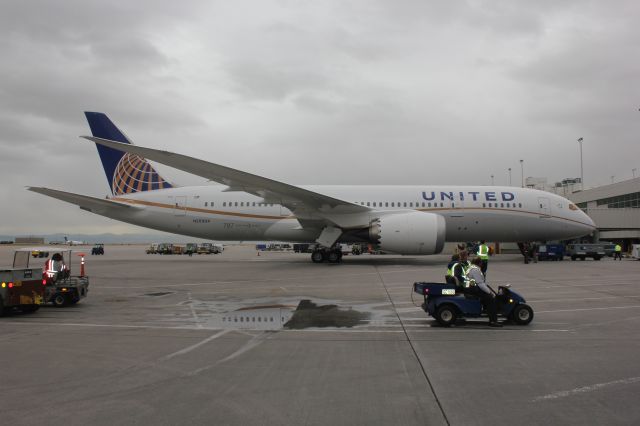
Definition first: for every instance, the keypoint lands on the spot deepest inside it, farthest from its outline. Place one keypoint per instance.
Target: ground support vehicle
(446, 304)
(97, 250)
(191, 249)
(60, 288)
(21, 288)
(164, 248)
(152, 249)
(67, 291)
(551, 252)
(210, 248)
(582, 251)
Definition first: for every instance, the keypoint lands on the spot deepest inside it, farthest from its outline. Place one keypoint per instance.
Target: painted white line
(580, 299)
(585, 389)
(589, 309)
(196, 346)
(193, 311)
(70, 324)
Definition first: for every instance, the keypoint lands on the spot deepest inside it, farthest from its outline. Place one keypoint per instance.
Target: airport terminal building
(614, 208)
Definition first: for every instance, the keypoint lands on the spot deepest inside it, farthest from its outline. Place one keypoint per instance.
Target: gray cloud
(315, 92)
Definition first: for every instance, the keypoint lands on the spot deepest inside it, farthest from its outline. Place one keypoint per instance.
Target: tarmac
(241, 339)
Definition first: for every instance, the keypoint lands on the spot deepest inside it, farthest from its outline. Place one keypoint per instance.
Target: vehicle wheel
(522, 314)
(30, 308)
(334, 256)
(446, 315)
(583, 258)
(573, 258)
(317, 256)
(1, 307)
(596, 257)
(59, 300)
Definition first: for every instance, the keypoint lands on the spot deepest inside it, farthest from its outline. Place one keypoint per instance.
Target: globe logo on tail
(135, 174)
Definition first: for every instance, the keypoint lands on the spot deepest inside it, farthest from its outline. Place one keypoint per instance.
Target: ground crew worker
(55, 267)
(448, 277)
(479, 287)
(618, 253)
(483, 254)
(459, 270)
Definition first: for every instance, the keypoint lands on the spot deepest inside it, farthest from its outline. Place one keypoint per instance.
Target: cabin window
(254, 204)
(423, 204)
(224, 204)
(520, 205)
(368, 204)
(386, 204)
(205, 204)
(484, 205)
(502, 205)
(405, 204)
(374, 204)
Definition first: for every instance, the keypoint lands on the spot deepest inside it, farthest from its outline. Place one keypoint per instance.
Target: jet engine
(409, 233)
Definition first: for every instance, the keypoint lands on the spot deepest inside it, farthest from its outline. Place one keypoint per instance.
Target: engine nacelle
(409, 233)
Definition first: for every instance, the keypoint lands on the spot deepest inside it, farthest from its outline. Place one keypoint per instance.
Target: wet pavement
(241, 339)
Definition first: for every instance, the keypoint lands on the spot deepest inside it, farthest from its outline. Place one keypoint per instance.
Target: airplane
(410, 220)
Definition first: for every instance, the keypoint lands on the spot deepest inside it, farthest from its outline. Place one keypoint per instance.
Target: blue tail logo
(126, 173)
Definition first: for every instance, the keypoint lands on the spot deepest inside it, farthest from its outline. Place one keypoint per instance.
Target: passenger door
(180, 206)
(543, 207)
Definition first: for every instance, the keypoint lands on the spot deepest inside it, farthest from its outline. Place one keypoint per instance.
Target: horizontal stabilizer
(95, 205)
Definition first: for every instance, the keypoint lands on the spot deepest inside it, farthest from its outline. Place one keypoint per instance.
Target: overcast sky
(315, 92)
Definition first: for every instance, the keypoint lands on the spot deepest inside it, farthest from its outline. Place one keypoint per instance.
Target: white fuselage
(471, 212)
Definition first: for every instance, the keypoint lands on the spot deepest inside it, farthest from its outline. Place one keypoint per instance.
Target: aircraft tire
(317, 256)
(334, 256)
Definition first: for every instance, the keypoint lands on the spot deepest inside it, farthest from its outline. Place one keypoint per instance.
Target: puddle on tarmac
(160, 293)
(309, 314)
(279, 314)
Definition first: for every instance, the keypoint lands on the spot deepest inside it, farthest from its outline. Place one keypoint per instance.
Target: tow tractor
(60, 287)
(21, 288)
(446, 304)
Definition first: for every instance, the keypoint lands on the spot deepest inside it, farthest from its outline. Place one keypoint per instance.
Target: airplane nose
(588, 223)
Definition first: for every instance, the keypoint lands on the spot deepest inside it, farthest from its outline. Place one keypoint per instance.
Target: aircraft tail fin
(126, 173)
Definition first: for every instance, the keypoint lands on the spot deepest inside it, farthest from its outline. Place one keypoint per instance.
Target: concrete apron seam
(413, 349)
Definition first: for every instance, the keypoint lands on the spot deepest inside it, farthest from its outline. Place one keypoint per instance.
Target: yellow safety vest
(483, 252)
(618, 248)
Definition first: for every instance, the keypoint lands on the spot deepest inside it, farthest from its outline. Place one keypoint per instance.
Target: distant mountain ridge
(110, 238)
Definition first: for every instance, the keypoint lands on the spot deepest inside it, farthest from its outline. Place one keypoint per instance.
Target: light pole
(509, 176)
(634, 172)
(522, 171)
(492, 180)
(581, 170)
(612, 177)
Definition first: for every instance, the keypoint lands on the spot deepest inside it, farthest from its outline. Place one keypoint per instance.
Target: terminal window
(620, 202)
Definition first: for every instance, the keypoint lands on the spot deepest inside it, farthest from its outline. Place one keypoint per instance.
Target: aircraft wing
(96, 205)
(301, 201)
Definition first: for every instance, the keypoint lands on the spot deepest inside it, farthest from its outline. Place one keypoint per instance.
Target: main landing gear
(332, 255)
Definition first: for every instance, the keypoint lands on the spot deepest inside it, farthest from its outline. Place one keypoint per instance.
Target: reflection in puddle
(269, 317)
(278, 314)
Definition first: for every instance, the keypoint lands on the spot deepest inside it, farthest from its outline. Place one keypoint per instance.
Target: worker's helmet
(57, 257)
